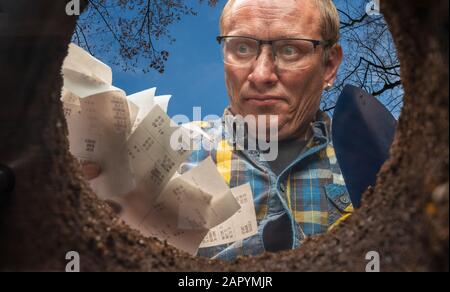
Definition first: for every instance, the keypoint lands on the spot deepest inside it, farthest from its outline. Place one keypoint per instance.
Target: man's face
(263, 89)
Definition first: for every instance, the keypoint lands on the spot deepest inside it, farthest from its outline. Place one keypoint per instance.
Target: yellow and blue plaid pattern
(311, 191)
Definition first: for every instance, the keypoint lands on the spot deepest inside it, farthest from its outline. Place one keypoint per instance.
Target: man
(279, 57)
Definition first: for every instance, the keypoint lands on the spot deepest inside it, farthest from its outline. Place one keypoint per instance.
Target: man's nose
(263, 71)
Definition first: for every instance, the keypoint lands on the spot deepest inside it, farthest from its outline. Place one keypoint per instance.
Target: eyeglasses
(288, 54)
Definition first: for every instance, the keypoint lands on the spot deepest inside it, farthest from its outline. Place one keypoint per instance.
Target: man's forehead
(265, 3)
(272, 12)
(272, 6)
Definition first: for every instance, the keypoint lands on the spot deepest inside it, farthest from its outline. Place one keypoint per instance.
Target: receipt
(240, 226)
(106, 117)
(152, 157)
(100, 130)
(100, 118)
(85, 64)
(146, 101)
(186, 210)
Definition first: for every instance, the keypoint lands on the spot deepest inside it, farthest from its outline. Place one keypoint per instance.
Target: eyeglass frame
(315, 43)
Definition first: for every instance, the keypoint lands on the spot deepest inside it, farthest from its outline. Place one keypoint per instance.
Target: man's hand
(90, 170)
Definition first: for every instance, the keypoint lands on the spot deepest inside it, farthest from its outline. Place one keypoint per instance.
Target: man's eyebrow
(292, 36)
(281, 37)
(240, 32)
(245, 33)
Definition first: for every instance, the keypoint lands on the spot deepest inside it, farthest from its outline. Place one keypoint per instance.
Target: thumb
(90, 170)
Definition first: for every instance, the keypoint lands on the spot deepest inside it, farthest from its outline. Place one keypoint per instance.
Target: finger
(90, 170)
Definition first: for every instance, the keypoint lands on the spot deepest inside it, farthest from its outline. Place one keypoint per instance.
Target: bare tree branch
(131, 28)
(370, 59)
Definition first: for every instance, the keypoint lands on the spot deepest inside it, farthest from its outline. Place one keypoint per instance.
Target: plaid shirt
(311, 191)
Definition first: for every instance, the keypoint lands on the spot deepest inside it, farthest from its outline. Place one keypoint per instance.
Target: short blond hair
(330, 21)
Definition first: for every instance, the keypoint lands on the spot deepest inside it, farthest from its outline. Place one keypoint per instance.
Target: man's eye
(289, 51)
(243, 49)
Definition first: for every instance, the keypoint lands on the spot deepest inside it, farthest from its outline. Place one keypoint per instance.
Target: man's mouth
(264, 100)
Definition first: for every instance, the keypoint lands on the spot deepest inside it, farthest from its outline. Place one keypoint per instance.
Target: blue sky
(194, 72)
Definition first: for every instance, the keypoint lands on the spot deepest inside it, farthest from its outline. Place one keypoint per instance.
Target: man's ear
(335, 55)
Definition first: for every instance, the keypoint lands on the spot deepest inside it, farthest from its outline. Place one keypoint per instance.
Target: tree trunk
(52, 211)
